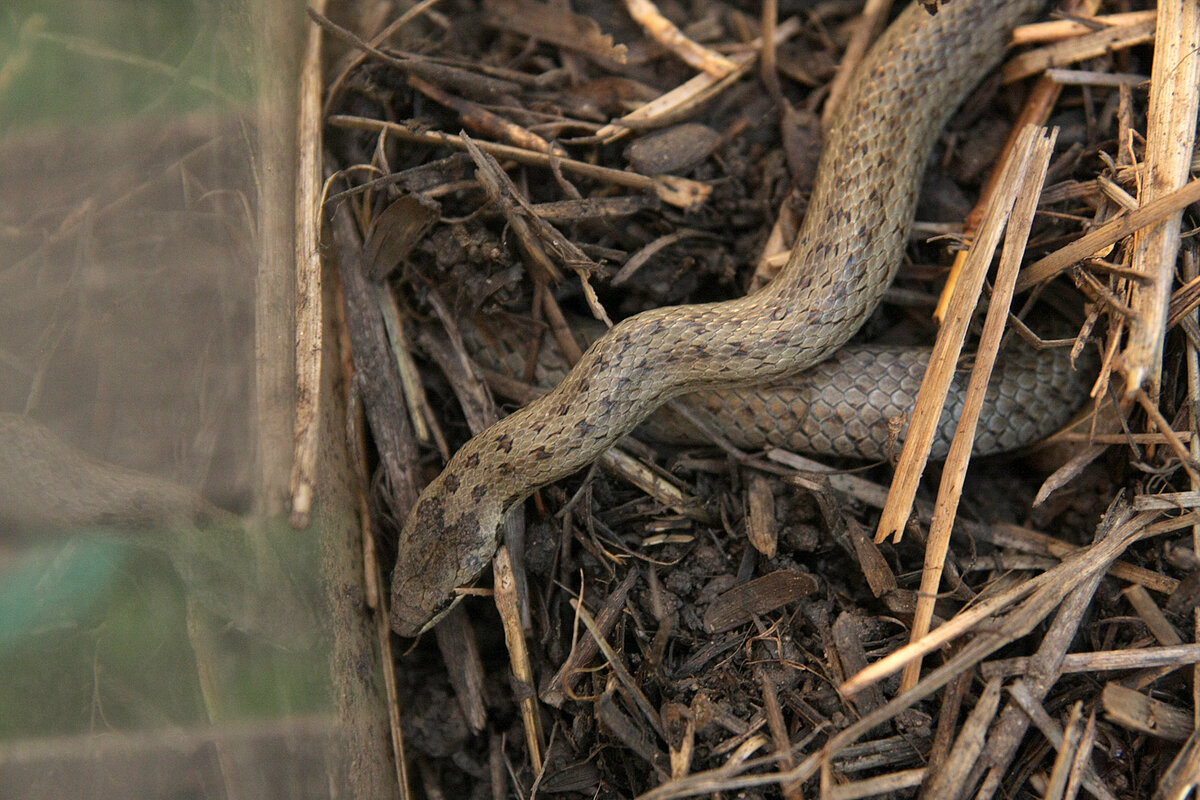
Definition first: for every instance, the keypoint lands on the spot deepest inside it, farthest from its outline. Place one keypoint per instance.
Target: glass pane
(163, 632)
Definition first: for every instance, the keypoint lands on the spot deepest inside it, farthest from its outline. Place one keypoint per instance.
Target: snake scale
(843, 259)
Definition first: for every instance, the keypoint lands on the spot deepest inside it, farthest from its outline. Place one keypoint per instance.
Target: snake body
(853, 404)
(843, 259)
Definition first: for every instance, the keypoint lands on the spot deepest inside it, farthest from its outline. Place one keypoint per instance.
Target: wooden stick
(676, 191)
(702, 87)
(663, 31)
(309, 305)
(945, 780)
(518, 655)
(1054, 30)
(1101, 661)
(944, 360)
(1109, 233)
(1068, 51)
(1170, 136)
(1034, 150)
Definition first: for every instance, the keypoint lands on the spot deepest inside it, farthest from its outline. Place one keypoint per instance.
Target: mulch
(691, 620)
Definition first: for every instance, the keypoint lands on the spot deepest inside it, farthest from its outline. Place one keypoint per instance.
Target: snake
(851, 405)
(844, 257)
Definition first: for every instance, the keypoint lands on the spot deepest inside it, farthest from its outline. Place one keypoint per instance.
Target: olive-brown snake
(844, 258)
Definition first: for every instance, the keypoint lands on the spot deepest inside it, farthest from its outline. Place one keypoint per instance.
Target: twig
(946, 350)
(691, 93)
(1164, 427)
(1137, 712)
(1031, 710)
(1170, 135)
(679, 192)
(1068, 755)
(619, 670)
(1054, 30)
(619, 462)
(518, 655)
(483, 121)
(1108, 234)
(882, 784)
(947, 780)
(310, 307)
(1066, 574)
(586, 648)
(1036, 111)
(778, 728)
(1068, 51)
(1102, 661)
(1183, 774)
(1034, 152)
(1045, 667)
(1039, 104)
(663, 31)
(377, 375)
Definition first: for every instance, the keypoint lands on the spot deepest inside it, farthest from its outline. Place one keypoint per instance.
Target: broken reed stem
(691, 93)
(1079, 48)
(679, 192)
(309, 307)
(1178, 656)
(944, 359)
(1038, 104)
(1034, 149)
(1066, 574)
(1042, 32)
(1170, 136)
(1107, 234)
(663, 31)
(508, 605)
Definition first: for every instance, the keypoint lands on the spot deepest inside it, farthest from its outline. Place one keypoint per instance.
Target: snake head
(439, 551)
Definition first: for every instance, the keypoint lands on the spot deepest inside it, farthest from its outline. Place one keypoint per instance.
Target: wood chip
(759, 596)
(1138, 712)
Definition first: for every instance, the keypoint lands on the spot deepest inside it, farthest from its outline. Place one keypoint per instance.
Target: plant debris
(688, 621)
